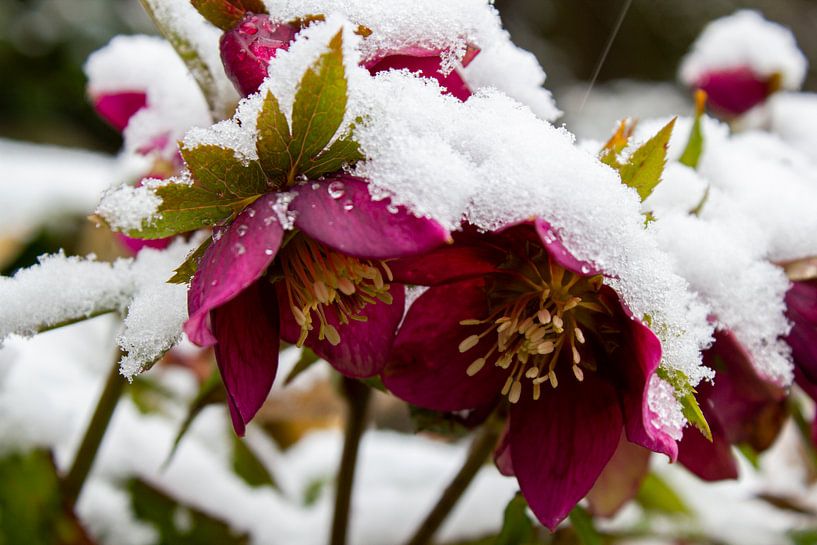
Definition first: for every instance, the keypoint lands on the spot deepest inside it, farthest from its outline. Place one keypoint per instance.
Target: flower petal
(801, 309)
(561, 255)
(620, 480)
(364, 346)
(635, 361)
(340, 213)
(233, 262)
(734, 91)
(446, 264)
(751, 409)
(426, 367)
(118, 108)
(710, 461)
(502, 454)
(428, 64)
(562, 442)
(247, 349)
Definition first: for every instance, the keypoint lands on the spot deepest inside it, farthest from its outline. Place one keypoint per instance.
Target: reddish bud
(735, 91)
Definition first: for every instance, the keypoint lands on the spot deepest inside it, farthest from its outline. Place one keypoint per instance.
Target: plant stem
(357, 396)
(77, 474)
(482, 447)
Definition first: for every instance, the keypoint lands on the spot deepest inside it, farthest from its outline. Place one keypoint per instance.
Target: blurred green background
(43, 44)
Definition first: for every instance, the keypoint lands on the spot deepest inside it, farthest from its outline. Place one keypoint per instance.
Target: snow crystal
(60, 289)
(667, 414)
(745, 38)
(149, 64)
(681, 189)
(794, 118)
(157, 311)
(126, 207)
(450, 27)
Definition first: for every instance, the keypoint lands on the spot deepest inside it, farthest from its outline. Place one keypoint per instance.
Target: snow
(126, 207)
(745, 38)
(794, 118)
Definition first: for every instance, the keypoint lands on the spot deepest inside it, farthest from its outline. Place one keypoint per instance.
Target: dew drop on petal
(316, 185)
(336, 190)
(392, 208)
(251, 212)
(348, 205)
(268, 251)
(239, 249)
(242, 230)
(585, 269)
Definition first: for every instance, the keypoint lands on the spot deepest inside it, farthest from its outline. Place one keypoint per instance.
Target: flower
(324, 284)
(801, 307)
(512, 313)
(118, 107)
(741, 408)
(247, 49)
(735, 91)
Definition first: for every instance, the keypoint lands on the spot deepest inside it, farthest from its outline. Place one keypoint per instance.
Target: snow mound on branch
(63, 289)
(149, 64)
(745, 38)
(450, 27)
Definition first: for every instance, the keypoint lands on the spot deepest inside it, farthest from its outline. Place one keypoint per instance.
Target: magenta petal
(502, 454)
(448, 263)
(620, 480)
(710, 461)
(801, 309)
(560, 254)
(364, 346)
(561, 443)
(117, 108)
(426, 367)
(247, 349)
(135, 245)
(428, 64)
(233, 262)
(734, 91)
(340, 213)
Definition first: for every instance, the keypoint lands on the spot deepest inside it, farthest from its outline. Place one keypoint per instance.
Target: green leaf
(273, 140)
(226, 13)
(343, 150)
(211, 392)
(685, 394)
(307, 359)
(185, 272)
(32, 511)
(179, 524)
(803, 537)
(583, 525)
(695, 145)
(617, 142)
(247, 465)
(517, 526)
(446, 424)
(657, 496)
(643, 169)
(222, 186)
(319, 107)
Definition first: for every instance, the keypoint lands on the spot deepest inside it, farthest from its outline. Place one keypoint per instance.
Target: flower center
(535, 314)
(317, 277)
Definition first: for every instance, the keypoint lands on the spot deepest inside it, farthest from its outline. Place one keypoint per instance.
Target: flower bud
(735, 91)
(247, 48)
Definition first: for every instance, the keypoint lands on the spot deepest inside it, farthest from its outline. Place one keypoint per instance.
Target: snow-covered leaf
(642, 170)
(226, 13)
(273, 140)
(343, 150)
(184, 272)
(685, 395)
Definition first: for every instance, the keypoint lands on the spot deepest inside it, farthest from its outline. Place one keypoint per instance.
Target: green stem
(72, 321)
(481, 449)
(357, 396)
(77, 474)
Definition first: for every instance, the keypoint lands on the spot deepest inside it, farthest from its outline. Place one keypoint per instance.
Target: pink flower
(247, 49)
(118, 107)
(325, 285)
(741, 407)
(734, 91)
(801, 306)
(512, 313)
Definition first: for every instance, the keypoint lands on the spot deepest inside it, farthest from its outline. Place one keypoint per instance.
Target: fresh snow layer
(746, 39)
(450, 27)
(62, 289)
(793, 116)
(149, 64)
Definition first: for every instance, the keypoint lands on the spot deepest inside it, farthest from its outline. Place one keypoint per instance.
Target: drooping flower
(741, 408)
(735, 91)
(325, 284)
(512, 314)
(247, 49)
(801, 308)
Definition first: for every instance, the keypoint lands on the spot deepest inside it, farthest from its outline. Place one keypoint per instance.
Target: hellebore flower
(741, 407)
(247, 49)
(512, 313)
(801, 306)
(735, 91)
(324, 284)
(118, 107)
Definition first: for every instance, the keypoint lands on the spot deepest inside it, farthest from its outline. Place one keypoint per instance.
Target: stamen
(537, 391)
(554, 382)
(578, 372)
(468, 343)
(507, 387)
(579, 335)
(572, 303)
(576, 356)
(470, 322)
(516, 392)
(544, 316)
(475, 367)
(558, 323)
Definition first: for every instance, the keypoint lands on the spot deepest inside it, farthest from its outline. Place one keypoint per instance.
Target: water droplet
(242, 230)
(251, 212)
(392, 208)
(336, 190)
(217, 234)
(585, 269)
(214, 283)
(239, 249)
(348, 205)
(316, 185)
(269, 251)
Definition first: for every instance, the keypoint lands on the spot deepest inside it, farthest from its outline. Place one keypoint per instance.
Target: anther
(331, 334)
(470, 322)
(321, 291)
(532, 372)
(507, 387)
(545, 347)
(543, 315)
(475, 367)
(537, 391)
(468, 343)
(516, 392)
(577, 371)
(576, 356)
(554, 382)
(558, 323)
(300, 317)
(572, 303)
(579, 335)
